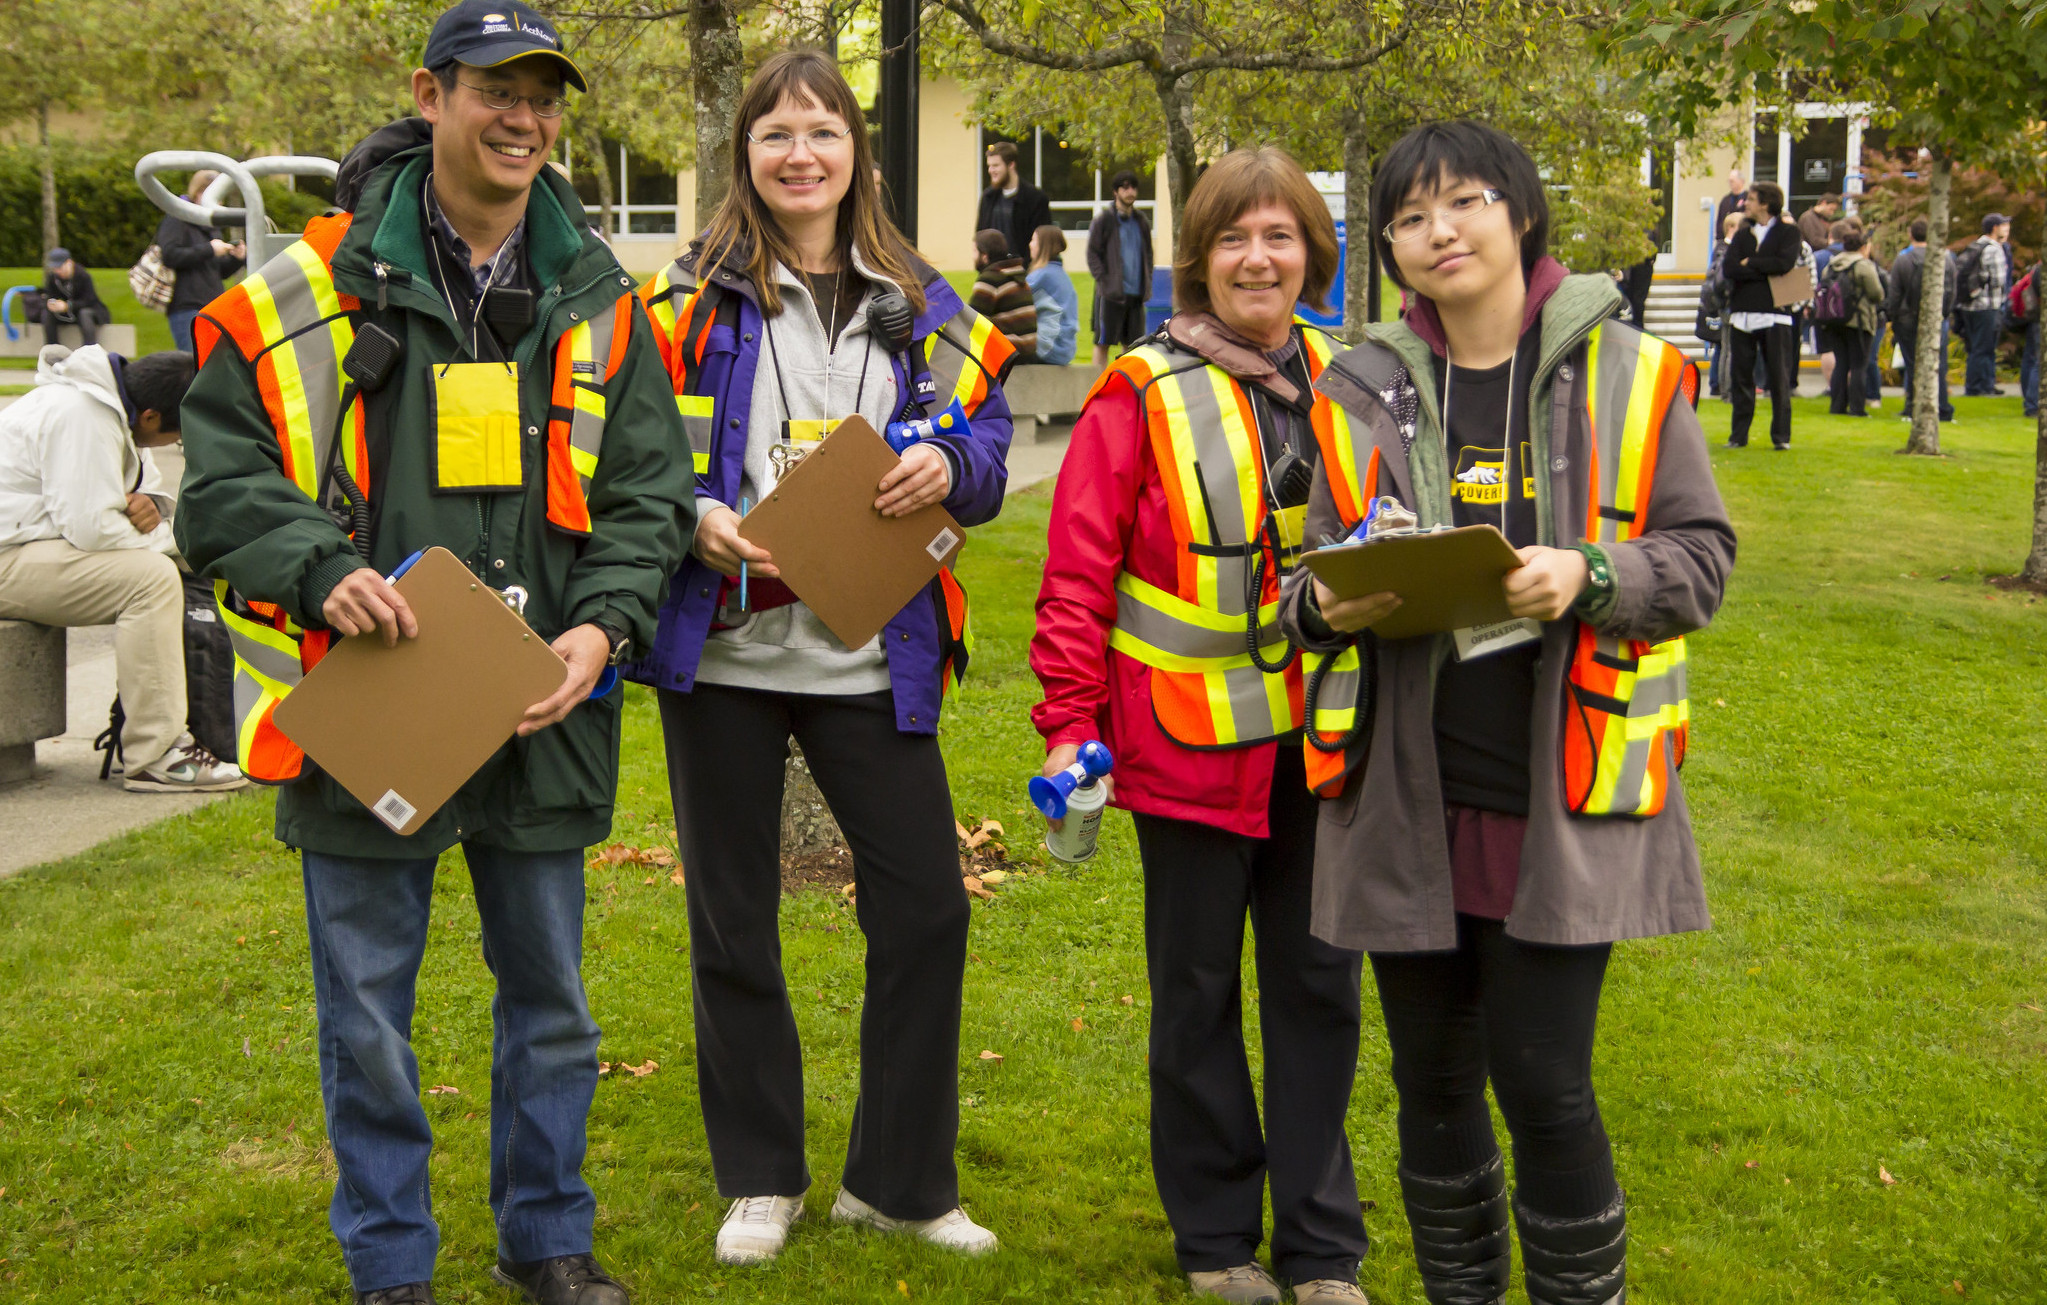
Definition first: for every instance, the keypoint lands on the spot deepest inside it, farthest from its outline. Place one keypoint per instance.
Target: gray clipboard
(1446, 580)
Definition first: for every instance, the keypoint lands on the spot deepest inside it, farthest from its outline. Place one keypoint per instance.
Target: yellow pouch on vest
(477, 446)
(1292, 523)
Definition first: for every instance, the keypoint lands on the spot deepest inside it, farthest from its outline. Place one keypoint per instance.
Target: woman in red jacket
(1179, 503)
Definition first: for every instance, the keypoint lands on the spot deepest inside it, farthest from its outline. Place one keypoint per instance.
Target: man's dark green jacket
(241, 519)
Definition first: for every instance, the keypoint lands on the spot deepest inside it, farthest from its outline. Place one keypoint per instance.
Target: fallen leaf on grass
(620, 854)
(694, 1206)
(903, 1287)
(1077, 1025)
(991, 1055)
(961, 830)
(994, 876)
(245, 1046)
(1883, 1176)
(443, 1090)
(648, 882)
(1748, 1164)
(2030, 1006)
(675, 876)
(848, 891)
(974, 887)
(1958, 1286)
(638, 1071)
(1127, 999)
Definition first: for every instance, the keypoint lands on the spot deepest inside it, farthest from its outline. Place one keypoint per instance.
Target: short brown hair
(1234, 185)
(1004, 150)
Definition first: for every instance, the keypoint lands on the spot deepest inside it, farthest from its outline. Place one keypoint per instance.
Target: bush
(103, 218)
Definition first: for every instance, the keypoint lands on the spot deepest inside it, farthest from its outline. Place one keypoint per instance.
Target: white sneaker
(756, 1227)
(186, 768)
(953, 1230)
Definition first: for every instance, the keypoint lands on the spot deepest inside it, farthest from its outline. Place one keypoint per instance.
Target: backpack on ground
(209, 683)
(1833, 299)
(151, 281)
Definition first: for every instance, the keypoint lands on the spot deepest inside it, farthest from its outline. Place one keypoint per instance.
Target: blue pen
(742, 565)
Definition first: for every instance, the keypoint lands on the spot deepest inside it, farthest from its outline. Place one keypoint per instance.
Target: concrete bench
(115, 337)
(32, 688)
(1050, 396)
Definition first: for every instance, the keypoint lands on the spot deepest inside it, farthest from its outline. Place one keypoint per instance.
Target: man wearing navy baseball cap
(505, 400)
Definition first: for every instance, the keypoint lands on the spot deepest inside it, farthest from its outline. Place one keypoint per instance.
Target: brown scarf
(1205, 334)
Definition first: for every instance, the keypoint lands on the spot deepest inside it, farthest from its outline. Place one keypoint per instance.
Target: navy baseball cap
(487, 33)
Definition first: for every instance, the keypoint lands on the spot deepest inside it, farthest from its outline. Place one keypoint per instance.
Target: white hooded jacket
(68, 461)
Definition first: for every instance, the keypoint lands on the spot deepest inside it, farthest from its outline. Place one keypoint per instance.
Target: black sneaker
(562, 1280)
(411, 1293)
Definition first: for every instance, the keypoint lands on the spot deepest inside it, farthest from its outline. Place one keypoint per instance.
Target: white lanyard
(1475, 641)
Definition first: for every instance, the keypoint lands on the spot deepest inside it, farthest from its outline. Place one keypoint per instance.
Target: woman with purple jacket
(786, 315)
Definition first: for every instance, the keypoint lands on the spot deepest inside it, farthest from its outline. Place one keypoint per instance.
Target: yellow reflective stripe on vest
(1339, 685)
(1645, 683)
(697, 412)
(588, 346)
(1165, 631)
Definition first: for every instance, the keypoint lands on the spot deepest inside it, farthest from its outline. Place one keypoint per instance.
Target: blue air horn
(1075, 797)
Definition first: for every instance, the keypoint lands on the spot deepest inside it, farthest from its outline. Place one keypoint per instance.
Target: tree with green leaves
(1960, 78)
(1167, 46)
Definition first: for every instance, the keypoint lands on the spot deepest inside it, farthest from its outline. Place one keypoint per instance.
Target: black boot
(1575, 1261)
(563, 1280)
(1460, 1234)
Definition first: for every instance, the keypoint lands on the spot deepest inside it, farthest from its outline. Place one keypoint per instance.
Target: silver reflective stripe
(586, 429)
(1218, 466)
(312, 351)
(944, 356)
(1186, 639)
(1617, 350)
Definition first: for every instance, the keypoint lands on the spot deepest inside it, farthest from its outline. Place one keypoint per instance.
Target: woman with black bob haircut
(799, 306)
(1508, 808)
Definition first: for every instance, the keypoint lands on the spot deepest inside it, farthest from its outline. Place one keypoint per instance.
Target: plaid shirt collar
(506, 261)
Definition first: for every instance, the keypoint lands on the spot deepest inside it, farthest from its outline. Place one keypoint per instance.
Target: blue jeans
(1946, 406)
(2029, 370)
(368, 923)
(181, 328)
(1981, 328)
(1873, 377)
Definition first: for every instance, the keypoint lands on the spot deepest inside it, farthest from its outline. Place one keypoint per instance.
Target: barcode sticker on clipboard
(394, 811)
(942, 544)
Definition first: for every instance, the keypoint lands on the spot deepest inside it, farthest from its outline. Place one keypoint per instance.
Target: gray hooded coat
(1382, 856)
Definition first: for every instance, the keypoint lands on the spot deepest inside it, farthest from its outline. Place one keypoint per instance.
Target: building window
(643, 192)
(1076, 189)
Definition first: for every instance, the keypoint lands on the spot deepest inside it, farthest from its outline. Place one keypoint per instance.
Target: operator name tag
(477, 449)
(800, 438)
(1292, 523)
(1476, 641)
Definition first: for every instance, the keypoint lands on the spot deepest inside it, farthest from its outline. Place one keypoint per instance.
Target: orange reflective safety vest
(293, 328)
(1626, 715)
(1206, 692)
(1627, 718)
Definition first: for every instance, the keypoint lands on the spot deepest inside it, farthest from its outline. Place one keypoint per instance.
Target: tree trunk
(807, 823)
(717, 75)
(1176, 100)
(49, 171)
(591, 142)
(2035, 571)
(1357, 226)
(1928, 361)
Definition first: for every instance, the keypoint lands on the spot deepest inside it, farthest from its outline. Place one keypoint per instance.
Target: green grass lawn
(1866, 775)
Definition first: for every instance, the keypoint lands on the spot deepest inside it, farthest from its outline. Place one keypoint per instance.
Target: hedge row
(102, 215)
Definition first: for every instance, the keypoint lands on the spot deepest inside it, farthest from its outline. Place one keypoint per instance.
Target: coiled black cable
(1268, 534)
(1362, 708)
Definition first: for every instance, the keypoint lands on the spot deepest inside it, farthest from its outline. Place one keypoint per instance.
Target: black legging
(1523, 1016)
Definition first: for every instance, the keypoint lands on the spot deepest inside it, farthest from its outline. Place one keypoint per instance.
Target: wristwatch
(621, 643)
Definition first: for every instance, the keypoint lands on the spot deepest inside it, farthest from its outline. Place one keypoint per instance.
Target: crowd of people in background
(1858, 306)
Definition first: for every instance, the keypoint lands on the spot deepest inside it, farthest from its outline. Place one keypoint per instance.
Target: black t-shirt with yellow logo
(1484, 706)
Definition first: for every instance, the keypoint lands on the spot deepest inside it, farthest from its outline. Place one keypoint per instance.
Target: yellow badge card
(1292, 522)
(477, 448)
(799, 438)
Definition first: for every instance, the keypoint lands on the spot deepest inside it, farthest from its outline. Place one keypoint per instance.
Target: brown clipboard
(850, 564)
(1447, 579)
(1793, 287)
(402, 728)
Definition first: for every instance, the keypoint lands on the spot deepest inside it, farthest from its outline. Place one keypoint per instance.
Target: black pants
(1778, 347)
(1908, 337)
(726, 752)
(1851, 358)
(1523, 1016)
(1208, 1154)
(88, 320)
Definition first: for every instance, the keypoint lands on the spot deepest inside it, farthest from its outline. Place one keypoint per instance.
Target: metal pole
(898, 106)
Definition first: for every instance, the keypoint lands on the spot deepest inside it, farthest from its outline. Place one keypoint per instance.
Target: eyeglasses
(1460, 210)
(820, 141)
(544, 106)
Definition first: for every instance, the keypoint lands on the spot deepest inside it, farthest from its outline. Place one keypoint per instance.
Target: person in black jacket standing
(1011, 205)
(1767, 247)
(1119, 257)
(1902, 307)
(200, 258)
